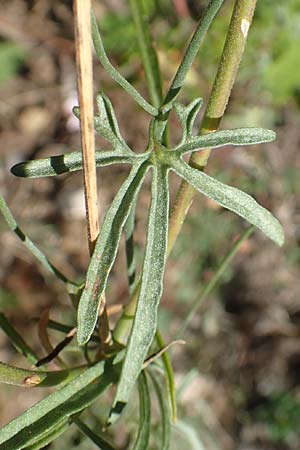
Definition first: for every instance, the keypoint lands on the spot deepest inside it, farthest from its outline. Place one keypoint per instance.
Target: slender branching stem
(226, 74)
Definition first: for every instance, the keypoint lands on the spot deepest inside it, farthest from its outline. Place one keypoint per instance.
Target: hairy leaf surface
(52, 412)
(238, 136)
(105, 252)
(145, 321)
(69, 162)
(233, 199)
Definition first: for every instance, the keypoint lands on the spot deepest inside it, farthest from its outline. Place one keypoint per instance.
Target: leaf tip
(280, 238)
(18, 170)
(83, 334)
(270, 135)
(115, 412)
(76, 111)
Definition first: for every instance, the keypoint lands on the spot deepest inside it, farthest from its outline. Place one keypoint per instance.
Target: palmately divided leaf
(231, 198)
(238, 136)
(105, 251)
(40, 421)
(70, 162)
(187, 115)
(145, 320)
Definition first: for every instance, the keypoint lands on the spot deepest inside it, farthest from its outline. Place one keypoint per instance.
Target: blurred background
(238, 376)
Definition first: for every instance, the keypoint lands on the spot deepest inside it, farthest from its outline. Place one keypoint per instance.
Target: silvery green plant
(126, 361)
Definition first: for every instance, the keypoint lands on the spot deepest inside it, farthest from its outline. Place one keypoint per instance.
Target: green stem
(226, 74)
(148, 53)
(214, 280)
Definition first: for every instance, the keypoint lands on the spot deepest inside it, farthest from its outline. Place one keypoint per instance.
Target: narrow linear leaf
(169, 374)
(34, 250)
(192, 50)
(142, 439)
(164, 411)
(233, 199)
(34, 378)
(96, 438)
(105, 252)
(238, 136)
(145, 320)
(53, 411)
(17, 340)
(69, 162)
(49, 436)
(115, 75)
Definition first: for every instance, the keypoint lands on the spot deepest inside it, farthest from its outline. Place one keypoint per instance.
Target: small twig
(160, 352)
(82, 18)
(60, 346)
(44, 337)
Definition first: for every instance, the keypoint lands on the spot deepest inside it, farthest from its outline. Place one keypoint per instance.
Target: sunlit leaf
(238, 136)
(233, 199)
(105, 252)
(145, 320)
(35, 378)
(52, 412)
(69, 162)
